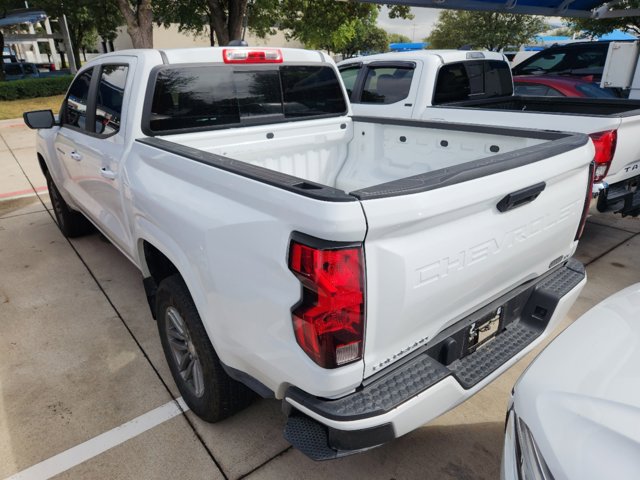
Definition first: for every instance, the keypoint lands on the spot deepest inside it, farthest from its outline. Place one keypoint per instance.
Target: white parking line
(103, 442)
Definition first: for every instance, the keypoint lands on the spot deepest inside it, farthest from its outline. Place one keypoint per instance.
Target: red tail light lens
(587, 202)
(246, 55)
(605, 143)
(329, 320)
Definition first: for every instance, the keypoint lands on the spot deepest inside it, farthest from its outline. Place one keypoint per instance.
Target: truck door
(104, 148)
(73, 131)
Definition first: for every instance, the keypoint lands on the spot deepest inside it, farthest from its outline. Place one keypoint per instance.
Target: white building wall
(170, 37)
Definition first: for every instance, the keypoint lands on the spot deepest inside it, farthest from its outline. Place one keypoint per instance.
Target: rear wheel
(70, 222)
(206, 388)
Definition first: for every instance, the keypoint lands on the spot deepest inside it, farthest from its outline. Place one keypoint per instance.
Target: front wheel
(70, 222)
(206, 388)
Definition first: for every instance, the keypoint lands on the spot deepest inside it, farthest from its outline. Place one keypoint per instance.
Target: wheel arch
(43, 164)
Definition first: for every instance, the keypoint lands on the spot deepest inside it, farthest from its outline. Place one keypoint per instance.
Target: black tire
(219, 396)
(70, 222)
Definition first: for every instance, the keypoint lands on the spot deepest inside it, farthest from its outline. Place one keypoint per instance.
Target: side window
(109, 101)
(349, 76)
(75, 113)
(386, 84)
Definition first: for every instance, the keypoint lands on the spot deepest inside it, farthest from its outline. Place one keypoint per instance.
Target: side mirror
(39, 119)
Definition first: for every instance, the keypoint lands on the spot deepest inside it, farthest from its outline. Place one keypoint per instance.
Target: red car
(558, 86)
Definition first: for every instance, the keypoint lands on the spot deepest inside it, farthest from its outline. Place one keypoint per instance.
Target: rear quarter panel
(229, 238)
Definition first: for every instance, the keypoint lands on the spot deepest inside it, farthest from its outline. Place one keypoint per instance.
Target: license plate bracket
(484, 330)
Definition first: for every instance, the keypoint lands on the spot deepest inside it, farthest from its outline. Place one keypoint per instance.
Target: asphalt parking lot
(85, 391)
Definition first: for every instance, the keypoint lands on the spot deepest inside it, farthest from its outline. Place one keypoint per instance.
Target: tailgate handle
(521, 197)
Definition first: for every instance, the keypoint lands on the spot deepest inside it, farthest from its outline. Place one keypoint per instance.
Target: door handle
(106, 173)
(521, 197)
(75, 155)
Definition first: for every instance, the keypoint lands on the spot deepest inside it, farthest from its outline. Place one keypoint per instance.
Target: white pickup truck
(476, 87)
(371, 274)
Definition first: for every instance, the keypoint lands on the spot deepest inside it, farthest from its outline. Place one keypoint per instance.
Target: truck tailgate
(435, 256)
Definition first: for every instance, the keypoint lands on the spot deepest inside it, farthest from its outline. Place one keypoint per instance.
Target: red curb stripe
(19, 193)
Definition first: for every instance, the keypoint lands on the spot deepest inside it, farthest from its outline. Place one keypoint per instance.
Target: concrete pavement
(80, 356)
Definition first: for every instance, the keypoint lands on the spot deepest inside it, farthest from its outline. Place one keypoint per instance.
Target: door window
(109, 100)
(387, 84)
(349, 76)
(75, 112)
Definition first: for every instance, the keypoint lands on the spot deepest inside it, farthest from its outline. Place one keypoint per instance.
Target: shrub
(34, 87)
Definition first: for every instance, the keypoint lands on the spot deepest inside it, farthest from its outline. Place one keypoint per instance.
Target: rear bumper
(621, 197)
(404, 397)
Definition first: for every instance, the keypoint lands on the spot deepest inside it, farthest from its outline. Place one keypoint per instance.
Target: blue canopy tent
(16, 18)
(616, 36)
(406, 47)
(555, 8)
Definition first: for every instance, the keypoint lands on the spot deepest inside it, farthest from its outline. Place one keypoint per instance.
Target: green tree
(398, 38)
(489, 30)
(598, 27)
(358, 36)
(221, 19)
(314, 23)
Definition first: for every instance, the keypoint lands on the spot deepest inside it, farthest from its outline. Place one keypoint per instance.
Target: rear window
(472, 80)
(202, 97)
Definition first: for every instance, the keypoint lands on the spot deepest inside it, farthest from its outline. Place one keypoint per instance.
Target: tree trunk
(139, 22)
(219, 21)
(227, 25)
(237, 10)
(212, 37)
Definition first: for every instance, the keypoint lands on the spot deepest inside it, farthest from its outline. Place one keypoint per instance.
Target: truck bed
(368, 157)
(567, 106)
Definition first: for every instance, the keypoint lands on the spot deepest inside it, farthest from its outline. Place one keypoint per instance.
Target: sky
(415, 29)
(425, 18)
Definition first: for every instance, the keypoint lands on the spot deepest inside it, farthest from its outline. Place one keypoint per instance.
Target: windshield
(584, 60)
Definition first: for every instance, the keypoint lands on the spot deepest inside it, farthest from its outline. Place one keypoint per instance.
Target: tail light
(247, 55)
(605, 143)
(329, 320)
(587, 202)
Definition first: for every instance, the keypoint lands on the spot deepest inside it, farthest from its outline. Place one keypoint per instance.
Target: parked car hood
(581, 396)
